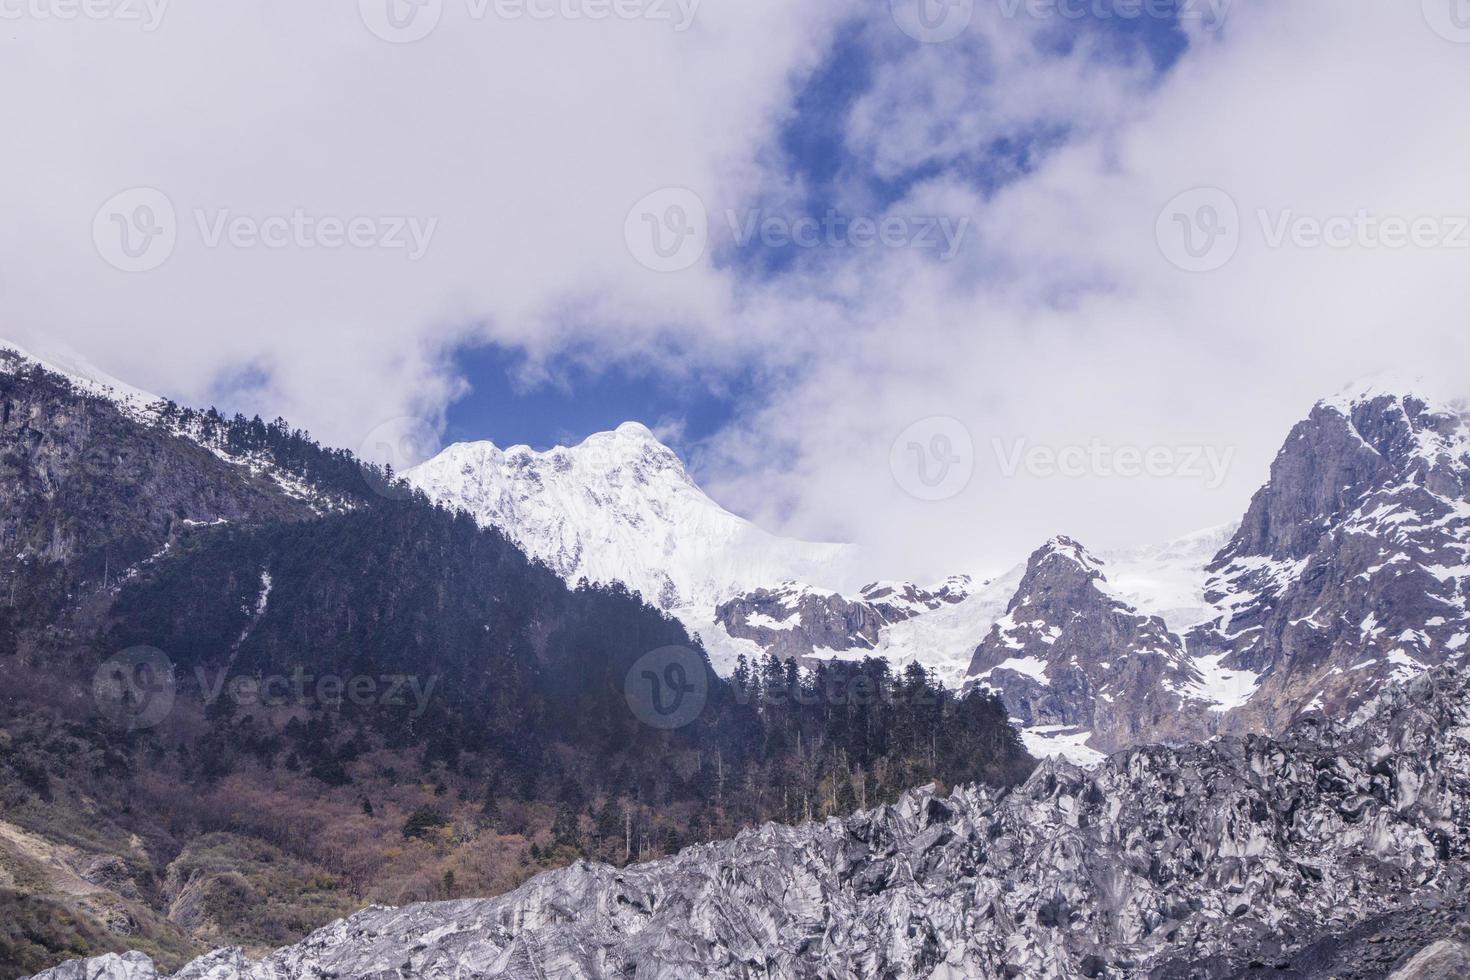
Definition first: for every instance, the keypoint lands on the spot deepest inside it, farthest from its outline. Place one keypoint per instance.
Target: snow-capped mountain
(1084, 672)
(1350, 570)
(1352, 566)
(1338, 850)
(620, 507)
(1165, 580)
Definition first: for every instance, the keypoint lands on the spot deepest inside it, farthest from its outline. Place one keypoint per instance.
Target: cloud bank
(1085, 364)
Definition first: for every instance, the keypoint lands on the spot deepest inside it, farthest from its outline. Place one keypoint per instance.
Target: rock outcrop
(1162, 862)
(1350, 570)
(1352, 566)
(798, 621)
(1072, 659)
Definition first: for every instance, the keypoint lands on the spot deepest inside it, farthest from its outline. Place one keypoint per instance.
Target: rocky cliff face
(1352, 566)
(1161, 862)
(794, 620)
(95, 482)
(1074, 662)
(1350, 570)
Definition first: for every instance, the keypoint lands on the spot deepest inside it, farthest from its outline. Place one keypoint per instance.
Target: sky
(944, 277)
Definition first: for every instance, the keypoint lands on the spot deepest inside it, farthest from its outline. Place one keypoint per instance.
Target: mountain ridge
(1375, 482)
(1350, 569)
(359, 695)
(621, 506)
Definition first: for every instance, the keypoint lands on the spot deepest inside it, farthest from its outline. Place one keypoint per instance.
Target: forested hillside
(371, 699)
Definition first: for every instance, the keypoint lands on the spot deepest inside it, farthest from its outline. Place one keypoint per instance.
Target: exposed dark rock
(1352, 567)
(795, 621)
(1212, 860)
(1351, 570)
(1070, 653)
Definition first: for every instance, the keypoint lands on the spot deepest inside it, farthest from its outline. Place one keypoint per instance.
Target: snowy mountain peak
(620, 507)
(630, 444)
(1069, 549)
(636, 430)
(1395, 385)
(1066, 560)
(631, 440)
(82, 374)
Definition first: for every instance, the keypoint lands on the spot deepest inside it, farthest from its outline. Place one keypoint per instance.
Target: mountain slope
(620, 507)
(1352, 566)
(96, 483)
(80, 374)
(1351, 569)
(361, 696)
(1080, 668)
(1195, 862)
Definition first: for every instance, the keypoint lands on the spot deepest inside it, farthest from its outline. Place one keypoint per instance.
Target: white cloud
(1061, 322)
(1066, 323)
(527, 141)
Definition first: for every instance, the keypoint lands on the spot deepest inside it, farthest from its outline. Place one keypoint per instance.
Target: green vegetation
(35, 932)
(413, 711)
